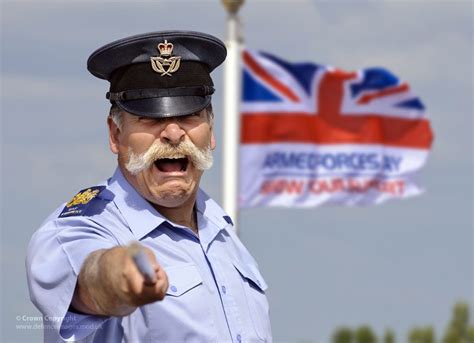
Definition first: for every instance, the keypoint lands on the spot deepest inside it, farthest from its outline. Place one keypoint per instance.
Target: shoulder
(87, 202)
(90, 207)
(91, 212)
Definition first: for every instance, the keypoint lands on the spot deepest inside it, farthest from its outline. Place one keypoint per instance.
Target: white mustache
(201, 159)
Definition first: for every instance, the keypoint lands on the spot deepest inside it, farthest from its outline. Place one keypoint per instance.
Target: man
(204, 286)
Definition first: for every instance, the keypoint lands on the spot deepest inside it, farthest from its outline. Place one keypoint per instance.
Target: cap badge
(165, 64)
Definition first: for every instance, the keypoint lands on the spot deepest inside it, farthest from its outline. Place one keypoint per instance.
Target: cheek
(139, 142)
(202, 136)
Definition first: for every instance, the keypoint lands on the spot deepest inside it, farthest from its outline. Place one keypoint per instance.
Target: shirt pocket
(182, 278)
(185, 307)
(254, 287)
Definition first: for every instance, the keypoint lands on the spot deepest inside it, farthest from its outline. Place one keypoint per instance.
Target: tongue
(168, 166)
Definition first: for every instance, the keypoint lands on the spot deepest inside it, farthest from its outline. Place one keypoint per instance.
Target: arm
(110, 284)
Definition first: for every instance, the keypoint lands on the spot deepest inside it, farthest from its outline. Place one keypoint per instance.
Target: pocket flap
(182, 278)
(252, 274)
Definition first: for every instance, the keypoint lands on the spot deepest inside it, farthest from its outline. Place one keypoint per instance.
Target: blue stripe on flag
(254, 91)
(374, 79)
(415, 104)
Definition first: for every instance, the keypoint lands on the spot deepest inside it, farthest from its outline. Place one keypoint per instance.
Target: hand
(134, 288)
(110, 283)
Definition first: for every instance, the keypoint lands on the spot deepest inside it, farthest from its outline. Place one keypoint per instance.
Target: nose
(172, 133)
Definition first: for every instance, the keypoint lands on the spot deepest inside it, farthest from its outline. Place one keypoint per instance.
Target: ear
(213, 140)
(114, 135)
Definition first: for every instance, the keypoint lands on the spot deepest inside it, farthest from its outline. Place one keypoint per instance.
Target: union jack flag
(313, 134)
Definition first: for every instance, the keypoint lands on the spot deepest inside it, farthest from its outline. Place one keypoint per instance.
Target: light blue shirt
(216, 292)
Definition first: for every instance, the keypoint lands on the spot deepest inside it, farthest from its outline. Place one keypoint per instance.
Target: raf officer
(205, 286)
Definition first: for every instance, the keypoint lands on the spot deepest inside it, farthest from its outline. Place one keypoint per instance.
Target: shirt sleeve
(55, 255)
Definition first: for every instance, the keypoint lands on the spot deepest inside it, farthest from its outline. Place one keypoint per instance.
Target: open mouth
(169, 165)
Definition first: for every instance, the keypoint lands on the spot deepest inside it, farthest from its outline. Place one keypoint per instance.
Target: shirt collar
(143, 218)
(210, 219)
(140, 215)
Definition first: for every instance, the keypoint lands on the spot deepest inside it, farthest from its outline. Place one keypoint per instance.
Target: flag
(313, 135)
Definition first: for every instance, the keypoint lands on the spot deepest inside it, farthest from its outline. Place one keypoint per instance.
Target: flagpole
(231, 123)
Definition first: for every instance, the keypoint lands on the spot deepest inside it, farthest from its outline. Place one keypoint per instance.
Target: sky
(395, 265)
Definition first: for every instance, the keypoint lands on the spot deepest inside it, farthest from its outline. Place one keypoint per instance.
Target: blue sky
(397, 265)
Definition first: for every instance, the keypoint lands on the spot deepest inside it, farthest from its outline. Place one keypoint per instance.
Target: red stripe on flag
(262, 73)
(303, 128)
(369, 97)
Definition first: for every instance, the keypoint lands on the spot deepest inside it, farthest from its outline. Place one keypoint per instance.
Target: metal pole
(231, 122)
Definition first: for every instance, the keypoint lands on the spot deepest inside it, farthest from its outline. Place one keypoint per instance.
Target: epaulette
(86, 202)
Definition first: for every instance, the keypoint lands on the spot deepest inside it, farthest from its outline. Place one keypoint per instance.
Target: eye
(189, 117)
(146, 120)
(197, 114)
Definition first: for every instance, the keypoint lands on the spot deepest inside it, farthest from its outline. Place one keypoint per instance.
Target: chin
(173, 196)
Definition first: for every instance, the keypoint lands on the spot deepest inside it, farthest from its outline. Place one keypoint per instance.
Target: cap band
(136, 94)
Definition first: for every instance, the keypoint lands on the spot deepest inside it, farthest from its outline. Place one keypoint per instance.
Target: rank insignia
(80, 202)
(165, 64)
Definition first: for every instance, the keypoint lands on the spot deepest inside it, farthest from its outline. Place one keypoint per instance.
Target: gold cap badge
(165, 64)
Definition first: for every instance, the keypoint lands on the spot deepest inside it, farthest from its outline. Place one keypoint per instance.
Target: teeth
(175, 157)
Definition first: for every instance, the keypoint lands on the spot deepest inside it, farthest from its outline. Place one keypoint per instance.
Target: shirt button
(173, 288)
(223, 289)
(239, 338)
